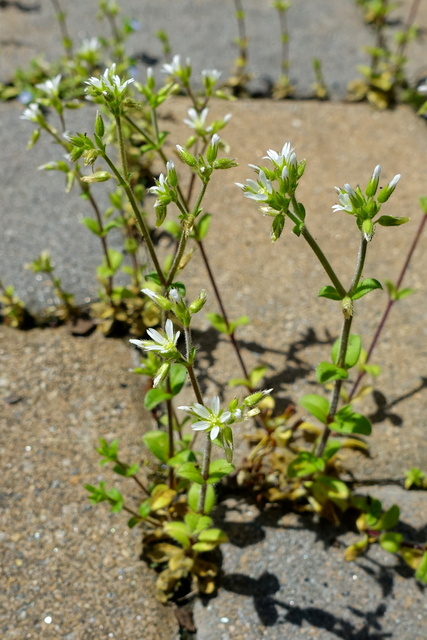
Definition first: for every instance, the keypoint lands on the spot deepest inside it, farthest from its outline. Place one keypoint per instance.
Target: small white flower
(196, 120)
(259, 191)
(213, 75)
(285, 157)
(50, 87)
(213, 419)
(32, 113)
(175, 68)
(109, 82)
(89, 45)
(151, 294)
(164, 343)
(344, 196)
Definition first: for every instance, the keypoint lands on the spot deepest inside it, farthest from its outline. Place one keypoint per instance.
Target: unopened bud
(198, 303)
(385, 193)
(99, 125)
(368, 229)
(161, 374)
(372, 187)
(212, 151)
(186, 156)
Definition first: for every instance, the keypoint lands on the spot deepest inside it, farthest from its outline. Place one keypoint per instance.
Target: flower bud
(186, 156)
(99, 125)
(212, 151)
(171, 174)
(256, 397)
(372, 187)
(99, 176)
(368, 229)
(385, 193)
(161, 301)
(161, 374)
(198, 303)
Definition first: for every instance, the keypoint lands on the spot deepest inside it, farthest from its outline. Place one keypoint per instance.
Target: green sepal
(277, 227)
(325, 372)
(364, 287)
(329, 292)
(317, 405)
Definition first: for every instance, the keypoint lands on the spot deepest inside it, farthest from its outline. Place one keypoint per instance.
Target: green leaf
(115, 258)
(277, 227)
(218, 322)
(391, 221)
(354, 348)
(153, 277)
(202, 227)
(421, 572)
(256, 375)
(317, 405)
(178, 376)
(397, 294)
(423, 203)
(179, 532)
(144, 509)
(305, 464)
(236, 323)
(126, 470)
(194, 495)
(389, 519)
(153, 397)
(329, 292)
(391, 542)
(218, 469)
(189, 471)
(325, 372)
(182, 456)
(347, 421)
(158, 443)
(325, 487)
(364, 287)
(331, 448)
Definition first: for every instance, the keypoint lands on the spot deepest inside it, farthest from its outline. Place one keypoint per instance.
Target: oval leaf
(318, 406)
(158, 443)
(325, 372)
(366, 286)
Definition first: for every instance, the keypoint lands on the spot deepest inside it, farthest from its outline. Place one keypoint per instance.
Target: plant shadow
(271, 610)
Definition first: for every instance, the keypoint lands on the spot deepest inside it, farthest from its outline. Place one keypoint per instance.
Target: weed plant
(292, 460)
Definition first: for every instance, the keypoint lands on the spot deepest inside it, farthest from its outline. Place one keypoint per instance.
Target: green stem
(141, 223)
(345, 335)
(323, 261)
(208, 447)
(184, 236)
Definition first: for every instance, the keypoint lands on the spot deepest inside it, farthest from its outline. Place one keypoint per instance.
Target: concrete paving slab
(332, 31)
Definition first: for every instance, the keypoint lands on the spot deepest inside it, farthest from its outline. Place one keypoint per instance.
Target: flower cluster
(275, 187)
(364, 206)
(108, 85)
